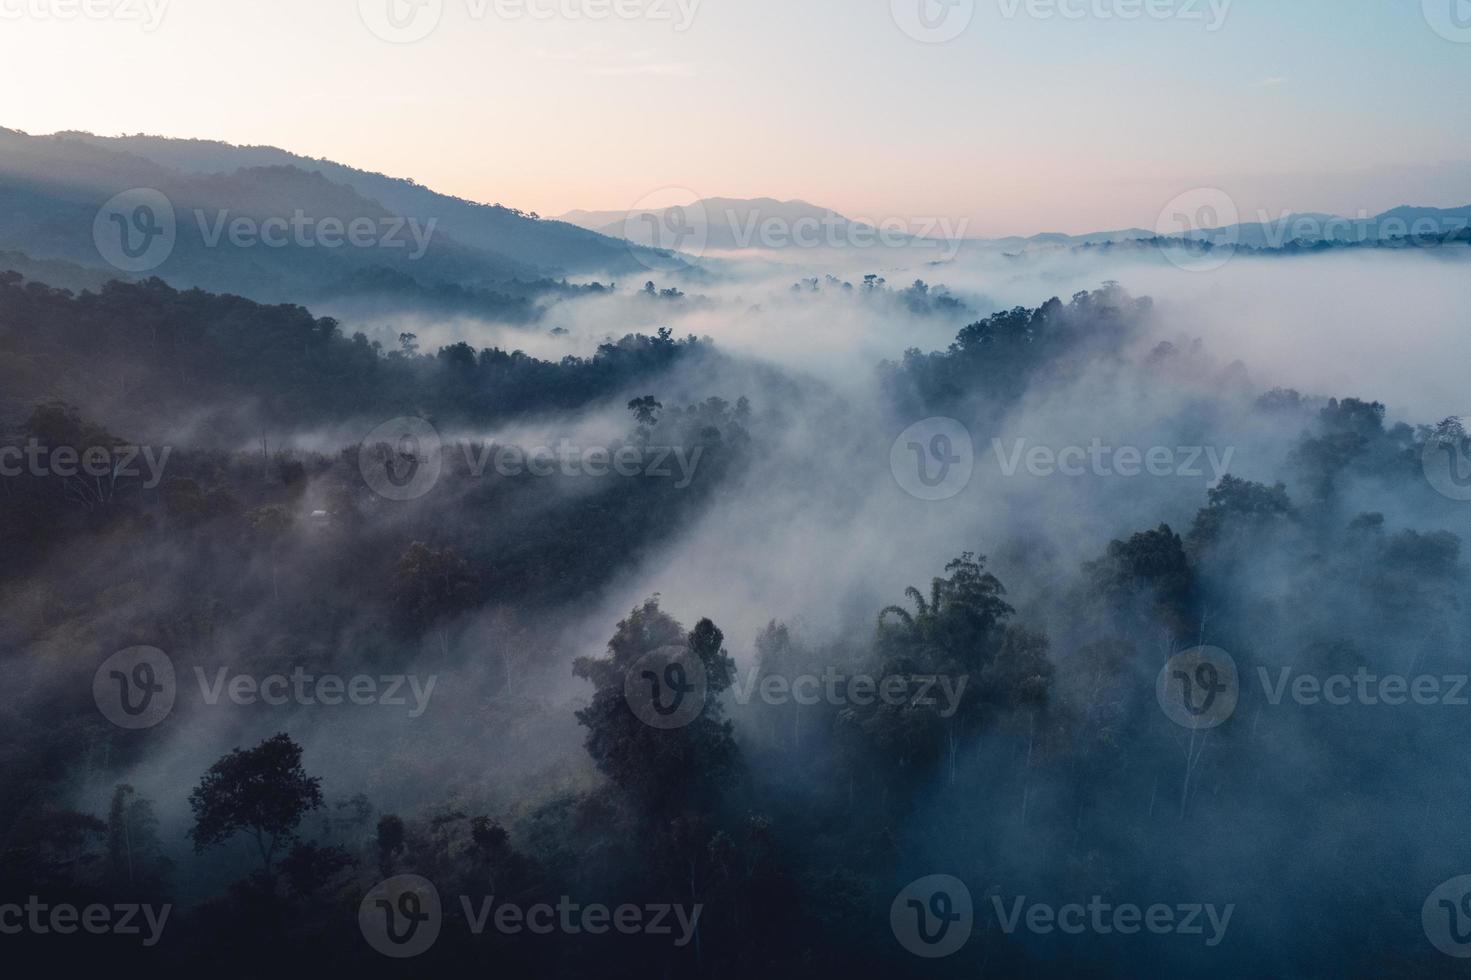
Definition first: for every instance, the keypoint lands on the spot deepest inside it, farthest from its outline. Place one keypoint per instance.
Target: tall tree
(263, 792)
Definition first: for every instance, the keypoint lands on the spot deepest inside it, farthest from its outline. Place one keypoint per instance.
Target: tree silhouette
(662, 769)
(263, 792)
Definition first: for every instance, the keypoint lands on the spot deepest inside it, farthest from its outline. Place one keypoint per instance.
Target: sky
(1017, 116)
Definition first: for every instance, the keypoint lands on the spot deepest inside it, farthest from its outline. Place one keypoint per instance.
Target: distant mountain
(1059, 239)
(1291, 231)
(724, 224)
(1412, 214)
(57, 272)
(1313, 227)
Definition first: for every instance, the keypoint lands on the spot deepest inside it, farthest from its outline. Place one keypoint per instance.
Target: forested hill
(279, 228)
(148, 350)
(507, 231)
(784, 820)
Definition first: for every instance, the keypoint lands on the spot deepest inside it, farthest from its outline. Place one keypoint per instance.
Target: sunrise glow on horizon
(1019, 124)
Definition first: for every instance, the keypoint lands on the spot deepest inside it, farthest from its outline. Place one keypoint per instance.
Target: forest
(367, 694)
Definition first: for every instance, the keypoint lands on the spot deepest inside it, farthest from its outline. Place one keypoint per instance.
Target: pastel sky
(1024, 122)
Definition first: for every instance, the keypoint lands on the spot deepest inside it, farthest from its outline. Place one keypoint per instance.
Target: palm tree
(957, 623)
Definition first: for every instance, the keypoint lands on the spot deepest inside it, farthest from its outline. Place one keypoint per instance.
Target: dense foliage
(1050, 772)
